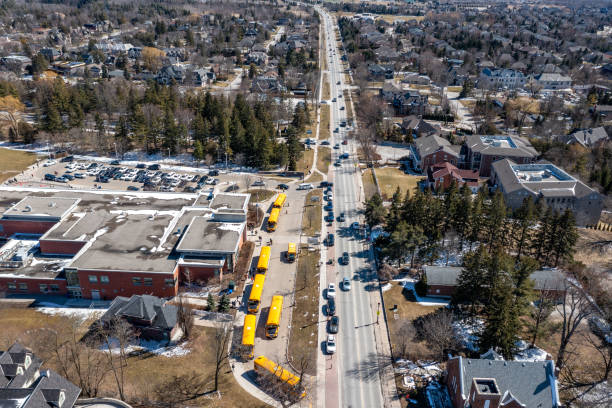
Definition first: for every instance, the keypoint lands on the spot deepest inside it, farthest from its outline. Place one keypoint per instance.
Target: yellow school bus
(273, 219)
(266, 367)
(280, 200)
(248, 334)
(274, 317)
(264, 260)
(291, 252)
(256, 292)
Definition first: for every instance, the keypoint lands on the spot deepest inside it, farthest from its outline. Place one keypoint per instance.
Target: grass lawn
(259, 194)
(326, 91)
(468, 103)
(349, 106)
(324, 126)
(454, 89)
(347, 79)
(13, 162)
(305, 162)
(369, 186)
(311, 220)
(324, 159)
(389, 178)
(375, 84)
(304, 322)
(144, 373)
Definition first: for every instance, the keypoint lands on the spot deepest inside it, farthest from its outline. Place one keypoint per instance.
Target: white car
(49, 163)
(346, 284)
(330, 344)
(331, 291)
(329, 197)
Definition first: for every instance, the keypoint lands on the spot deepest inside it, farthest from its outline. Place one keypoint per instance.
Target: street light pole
(378, 313)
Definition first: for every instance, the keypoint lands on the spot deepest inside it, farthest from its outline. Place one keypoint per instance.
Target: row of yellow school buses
(263, 365)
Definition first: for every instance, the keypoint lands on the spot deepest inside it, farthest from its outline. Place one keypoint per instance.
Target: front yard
(13, 162)
(311, 219)
(390, 178)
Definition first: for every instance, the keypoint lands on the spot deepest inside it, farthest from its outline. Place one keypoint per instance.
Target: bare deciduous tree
(117, 338)
(542, 309)
(437, 330)
(405, 336)
(220, 342)
(181, 389)
(184, 316)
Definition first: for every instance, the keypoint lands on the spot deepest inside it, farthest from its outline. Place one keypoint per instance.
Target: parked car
(141, 166)
(341, 218)
(331, 291)
(344, 259)
(355, 225)
(133, 188)
(331, 307)
(69, 177)
(79, 175)
(67, 159)
(329, 207)
(50, 177)
(346, 284)
(329, 217)
(337, 163)
(283, 186)
(333, 325)
(49, 163)
(325, 143)
(330, 239)
(154, 167)
(330, 344)
(344, 156)
(336, 146)
(61, 179)
(305, 186)
(259, 183)
(115, 162)
(213, 173)
(342, 108)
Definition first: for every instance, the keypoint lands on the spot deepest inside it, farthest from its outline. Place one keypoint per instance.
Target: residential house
(501, 78)
(548, 183)
(443, 175)
(554, 81)
(487, 383)
(378, 72)
(442, 281)
(480, 151)
(588, 137)
(151, 317)
(201, 77)
(418, 127)
(24, 385)
(15, 63)
(169, 74)
(431, 150)
(51, 54)
(267, 84)
(257, 58)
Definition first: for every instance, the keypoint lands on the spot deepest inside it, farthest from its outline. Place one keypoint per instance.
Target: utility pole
(378, 313)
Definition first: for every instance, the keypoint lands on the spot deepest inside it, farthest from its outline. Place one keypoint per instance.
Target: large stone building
(545, 181)
(480, 151)
(101, 245)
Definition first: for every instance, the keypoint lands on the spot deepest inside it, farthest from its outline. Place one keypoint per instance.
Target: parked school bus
(265, 367)
(256, 292)
(280, 201)
(264, 260)
(248, 335)
(273, 219)
(291, 252)
(274, 317)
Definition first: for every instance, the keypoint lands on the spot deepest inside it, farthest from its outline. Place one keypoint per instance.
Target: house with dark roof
(442, 280)
(431, 150)
(489, 383)
(24, 385)
(442, 176)
(548, 183)
(418, 127)
(588, 137)
(150, 316)
(480, 151)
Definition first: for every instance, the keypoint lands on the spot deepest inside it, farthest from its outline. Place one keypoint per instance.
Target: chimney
(484, 393)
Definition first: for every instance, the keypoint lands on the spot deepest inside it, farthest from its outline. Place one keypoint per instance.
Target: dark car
(333, 325)
(344, 142)
(325, 143)
(115, 162)
(344, 259)
(203, 179)
(283, 186)
(50, 177)
(329, 217)
(330, 239)
(154, 167)
(329, 207)
(68, 176)
(337, 163)
(133, 188)
(331, 307)
(213, 173)
(344, 156)
(341, 218)
(67, 159)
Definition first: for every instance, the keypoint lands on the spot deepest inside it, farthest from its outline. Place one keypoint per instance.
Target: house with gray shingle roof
(480, 383)
(430, 150)
(550, 184)
(24, 385)
(150, 316)
(588, 137)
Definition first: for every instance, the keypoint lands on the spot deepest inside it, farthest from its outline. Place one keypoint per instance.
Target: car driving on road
(346, 284)
(344, 259)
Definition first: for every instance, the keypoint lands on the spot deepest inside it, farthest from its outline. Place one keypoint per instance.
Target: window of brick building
(93, 279)
(148, 281)
(104, 279)
(136, 281)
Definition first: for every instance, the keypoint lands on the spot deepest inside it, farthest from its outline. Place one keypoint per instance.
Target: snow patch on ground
(599, 397)
(426, 300)
(526, 353)
(150, 346)
(468, 332)
(80, 314)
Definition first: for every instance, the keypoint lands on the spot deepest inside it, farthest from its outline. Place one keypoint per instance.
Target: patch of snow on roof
(230, 227)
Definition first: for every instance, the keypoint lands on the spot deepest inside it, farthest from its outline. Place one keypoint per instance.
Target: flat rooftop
(229, 202)
(49, 208)
(539, 173)
(505, 142)
(34, 265)
(206, 236)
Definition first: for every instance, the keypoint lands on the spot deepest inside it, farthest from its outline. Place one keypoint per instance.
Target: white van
(305, 186)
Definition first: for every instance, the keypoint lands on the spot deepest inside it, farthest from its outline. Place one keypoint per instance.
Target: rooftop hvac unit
(496, 144)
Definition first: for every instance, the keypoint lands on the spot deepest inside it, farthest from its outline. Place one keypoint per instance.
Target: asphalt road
(356, 358)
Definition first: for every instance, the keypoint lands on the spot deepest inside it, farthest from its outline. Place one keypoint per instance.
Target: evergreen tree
(210, 302)
(525, 218)
(463, 210)
(224, 304)
(543, 234)
(496, 222)
(565, 238)
(471, 282)
(198, 151)
(394, 214)
(477, 220)
(421, 286)
(374, 210)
